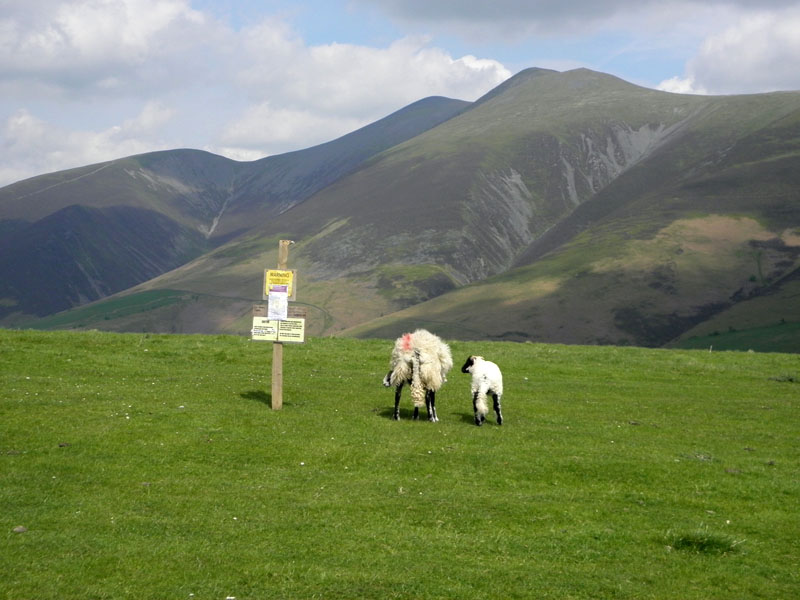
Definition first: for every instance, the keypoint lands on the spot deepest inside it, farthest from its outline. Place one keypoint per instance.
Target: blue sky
(85, 81)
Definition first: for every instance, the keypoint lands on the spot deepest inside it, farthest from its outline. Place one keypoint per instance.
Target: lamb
(486, 379)
(421, 360)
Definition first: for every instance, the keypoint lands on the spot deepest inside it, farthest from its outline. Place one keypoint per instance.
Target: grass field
(152, 466)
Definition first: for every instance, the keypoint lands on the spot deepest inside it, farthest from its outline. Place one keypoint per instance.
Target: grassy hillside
(562, 207)
(81, 254)
(613, 285)
(152, 466)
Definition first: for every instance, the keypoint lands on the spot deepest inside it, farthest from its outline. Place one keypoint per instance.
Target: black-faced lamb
(421, 360)
(486, 379)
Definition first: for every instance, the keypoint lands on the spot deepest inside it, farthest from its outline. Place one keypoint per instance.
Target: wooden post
(277, 375)
(277, 347)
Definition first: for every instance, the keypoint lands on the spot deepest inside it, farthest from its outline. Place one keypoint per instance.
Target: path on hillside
(55, 185)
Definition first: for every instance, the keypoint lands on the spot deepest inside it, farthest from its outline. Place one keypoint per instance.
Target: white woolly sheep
(421, 360)
(486, 379)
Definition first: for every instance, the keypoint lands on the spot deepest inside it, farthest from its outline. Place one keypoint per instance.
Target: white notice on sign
(264, 329)
(292, 330)
(278, 304)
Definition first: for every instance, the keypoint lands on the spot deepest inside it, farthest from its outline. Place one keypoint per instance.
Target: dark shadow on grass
(405, 413)
(703, 542)
(387, 412)
(266, 398)
(466, 417)
(259, 396)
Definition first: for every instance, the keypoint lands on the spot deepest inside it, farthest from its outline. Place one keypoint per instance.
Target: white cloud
(377, 78)
(72, 72)
(263, 129)
(681, 85)
(154, 115)
(329, 90)
(74, 47)
(759, 53)
(348, 78)
(34, 146)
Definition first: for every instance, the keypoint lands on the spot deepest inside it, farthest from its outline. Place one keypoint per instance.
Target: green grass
(152, 466)
(778, 337)
(114, 308)
(410, 284)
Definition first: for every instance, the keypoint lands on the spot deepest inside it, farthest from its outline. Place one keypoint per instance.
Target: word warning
(280, 279)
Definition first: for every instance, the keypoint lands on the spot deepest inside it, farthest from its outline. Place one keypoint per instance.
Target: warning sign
(281, 279)
(271, 330)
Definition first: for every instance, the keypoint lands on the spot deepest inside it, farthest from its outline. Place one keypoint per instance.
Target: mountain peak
(521, 78)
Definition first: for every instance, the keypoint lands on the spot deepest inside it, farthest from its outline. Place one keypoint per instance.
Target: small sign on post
(280, 279)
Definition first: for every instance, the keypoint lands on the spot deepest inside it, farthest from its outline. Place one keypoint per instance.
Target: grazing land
(152, 466)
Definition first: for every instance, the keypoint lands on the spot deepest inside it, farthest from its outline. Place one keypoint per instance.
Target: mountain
(76, 236)
(565, 207)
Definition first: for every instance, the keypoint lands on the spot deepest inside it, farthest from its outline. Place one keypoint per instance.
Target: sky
(87, 81)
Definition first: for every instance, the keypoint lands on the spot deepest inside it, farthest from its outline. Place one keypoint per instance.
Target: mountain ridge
(570, 207)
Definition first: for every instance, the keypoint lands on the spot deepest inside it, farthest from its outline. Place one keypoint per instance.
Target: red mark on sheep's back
(407, 342)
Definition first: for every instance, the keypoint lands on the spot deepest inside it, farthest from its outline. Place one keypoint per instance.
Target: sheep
(486, 379)
(421, 360)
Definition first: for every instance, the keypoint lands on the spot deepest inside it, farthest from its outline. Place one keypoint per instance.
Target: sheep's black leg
(497, 409)
(416, 413)
(478, 418)
(430, 405)
(397, 391)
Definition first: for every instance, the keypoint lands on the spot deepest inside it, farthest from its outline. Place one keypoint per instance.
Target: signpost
(278, 321)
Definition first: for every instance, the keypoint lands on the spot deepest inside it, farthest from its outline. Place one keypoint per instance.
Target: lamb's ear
(468, 364)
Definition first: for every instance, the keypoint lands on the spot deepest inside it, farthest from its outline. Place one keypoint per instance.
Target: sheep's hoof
(478, 422)
(396, 417)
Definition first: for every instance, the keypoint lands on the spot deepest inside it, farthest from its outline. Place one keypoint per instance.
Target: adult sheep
(421, 360)
(486, 379)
